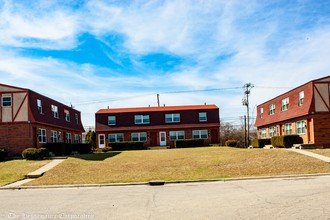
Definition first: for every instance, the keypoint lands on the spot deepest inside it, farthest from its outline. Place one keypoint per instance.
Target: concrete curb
(297, 176)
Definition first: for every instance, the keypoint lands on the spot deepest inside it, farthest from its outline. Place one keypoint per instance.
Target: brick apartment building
(304, 110)
(158, 126)
(29, 119)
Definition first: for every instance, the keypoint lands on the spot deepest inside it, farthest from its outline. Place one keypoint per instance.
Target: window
(301, 98)
(261, 112)
(288, 128)
(263, 133)
(53, 137)
(77, 118)
(300, 125)
(142, 119)
(285, 104)
(68, 138)
(116, 137)
(6, 101)
(139, 136)
(76, 139)
(111, 120)
(55, 111)
(42, 135)
(67, 115)
(176, 135)
(271, 131)
(272, 109)
(200, 134)
(202, 117)
(39, 104)
(172, 118)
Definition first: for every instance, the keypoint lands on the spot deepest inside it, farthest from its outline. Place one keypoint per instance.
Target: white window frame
(172, 118)
(300, 127)
(39, 105)
(112, 121)
(177, 135)
(42, 135)
(116, 137)
(53, 136)
(200, 134)
(77, 118)
(55, 111)
(76, 139)
(140, 136)
(272, 109)
(6, 103)
(202, 117)
(68, 138)
(67, 115)
(142, 119)
(261, 112)
(263, 133)
(271, 131)
(288, 128)
(285, 104)
(301, 98)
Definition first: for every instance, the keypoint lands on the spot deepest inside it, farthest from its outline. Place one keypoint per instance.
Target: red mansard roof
(157, 109)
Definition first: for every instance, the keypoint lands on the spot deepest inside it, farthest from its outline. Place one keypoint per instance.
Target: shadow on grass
(96, 156)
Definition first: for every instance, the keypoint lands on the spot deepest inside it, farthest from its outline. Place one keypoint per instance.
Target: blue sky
(94, 54)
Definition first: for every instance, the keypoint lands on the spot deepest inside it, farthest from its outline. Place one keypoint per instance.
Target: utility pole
(247, 89)
(245, 136)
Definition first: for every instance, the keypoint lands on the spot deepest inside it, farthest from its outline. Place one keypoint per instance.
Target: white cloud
(268, 52)
(48, 28)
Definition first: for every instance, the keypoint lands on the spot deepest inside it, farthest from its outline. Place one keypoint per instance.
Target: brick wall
(322, 129)
(15, 137)
(188, 135)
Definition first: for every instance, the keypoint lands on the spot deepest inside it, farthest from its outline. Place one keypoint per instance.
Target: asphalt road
(291, 198)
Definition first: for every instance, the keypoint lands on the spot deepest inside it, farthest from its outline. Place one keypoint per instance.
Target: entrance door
(162, 138)
(101, 140)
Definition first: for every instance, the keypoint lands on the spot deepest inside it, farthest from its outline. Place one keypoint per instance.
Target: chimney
(108, 107)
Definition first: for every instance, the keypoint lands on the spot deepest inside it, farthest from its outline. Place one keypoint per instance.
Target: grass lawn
(179, 164)
(324, 152)
(14, 170)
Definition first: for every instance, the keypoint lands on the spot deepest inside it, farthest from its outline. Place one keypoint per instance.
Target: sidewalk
(310, 154)
(35, 174)
(39, 172)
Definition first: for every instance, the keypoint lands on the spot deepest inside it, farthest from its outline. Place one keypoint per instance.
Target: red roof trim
(296, 88)
(157, 109)
(160, 127)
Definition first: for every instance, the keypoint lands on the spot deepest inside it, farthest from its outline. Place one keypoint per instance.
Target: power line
(171, 92)
(149, 94)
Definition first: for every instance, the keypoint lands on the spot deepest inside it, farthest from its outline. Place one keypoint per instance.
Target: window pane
(111, 120)
(202, 116)
(138, 119)
(146, 119)
(143, 136)
(168, 117)
(204, 134)
(176, 117)
(6, 101)
(120, 137)
(112, 138)
(180, 135)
